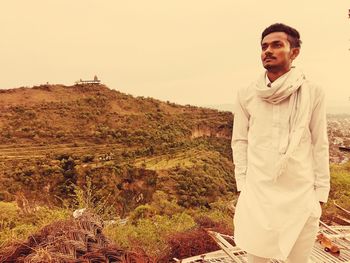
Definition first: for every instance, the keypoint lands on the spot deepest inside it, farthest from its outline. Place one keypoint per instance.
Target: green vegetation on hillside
(54, 137)
(339, 193)
(161, 228)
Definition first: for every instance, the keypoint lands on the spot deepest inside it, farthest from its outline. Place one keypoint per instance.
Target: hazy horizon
(330, 109)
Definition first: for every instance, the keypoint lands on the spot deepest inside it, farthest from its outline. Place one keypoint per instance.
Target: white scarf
(294, 87)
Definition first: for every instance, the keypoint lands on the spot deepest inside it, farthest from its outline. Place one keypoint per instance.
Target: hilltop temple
(94, 81)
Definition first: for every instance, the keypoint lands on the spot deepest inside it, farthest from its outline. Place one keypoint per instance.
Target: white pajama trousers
(302, 248)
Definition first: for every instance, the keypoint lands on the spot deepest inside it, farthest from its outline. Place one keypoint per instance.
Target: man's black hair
(292, 33)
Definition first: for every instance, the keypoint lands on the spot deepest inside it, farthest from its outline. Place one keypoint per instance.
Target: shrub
(16, 226)
(150, 234)
(142, 212)
(189, 243)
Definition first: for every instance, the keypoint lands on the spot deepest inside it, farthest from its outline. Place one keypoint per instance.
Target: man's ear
(295, 52)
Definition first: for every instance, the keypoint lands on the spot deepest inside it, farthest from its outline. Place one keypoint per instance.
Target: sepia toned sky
(185, 51)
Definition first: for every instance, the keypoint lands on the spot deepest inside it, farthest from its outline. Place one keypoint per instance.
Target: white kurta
(270, 215)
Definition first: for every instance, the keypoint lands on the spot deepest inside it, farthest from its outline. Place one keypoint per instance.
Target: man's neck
(275, 75)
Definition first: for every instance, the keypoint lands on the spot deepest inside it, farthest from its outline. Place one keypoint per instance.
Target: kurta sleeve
(318, 128)
(240, 140)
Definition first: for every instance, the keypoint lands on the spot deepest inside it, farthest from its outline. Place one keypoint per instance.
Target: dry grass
(73, 240)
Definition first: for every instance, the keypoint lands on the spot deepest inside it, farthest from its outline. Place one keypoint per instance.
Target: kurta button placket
(284, 134)
(275, 125)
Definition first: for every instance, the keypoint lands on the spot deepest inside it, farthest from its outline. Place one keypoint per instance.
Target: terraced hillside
(54, 138)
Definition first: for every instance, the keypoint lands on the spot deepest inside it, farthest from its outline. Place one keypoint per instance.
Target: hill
(55, 137)
(157, 173)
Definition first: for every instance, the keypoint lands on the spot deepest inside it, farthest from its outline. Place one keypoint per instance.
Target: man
(280, 151)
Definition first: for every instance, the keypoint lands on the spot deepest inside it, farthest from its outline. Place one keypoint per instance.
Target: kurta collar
(281, 78)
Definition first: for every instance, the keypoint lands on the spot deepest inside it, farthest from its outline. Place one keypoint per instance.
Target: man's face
(276, 53)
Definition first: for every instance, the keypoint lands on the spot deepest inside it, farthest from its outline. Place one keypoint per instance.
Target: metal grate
(340, 235)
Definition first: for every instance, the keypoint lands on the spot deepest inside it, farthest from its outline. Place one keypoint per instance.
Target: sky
(186, 51)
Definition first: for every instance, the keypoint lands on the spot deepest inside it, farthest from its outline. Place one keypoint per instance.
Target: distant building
(94, 81)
